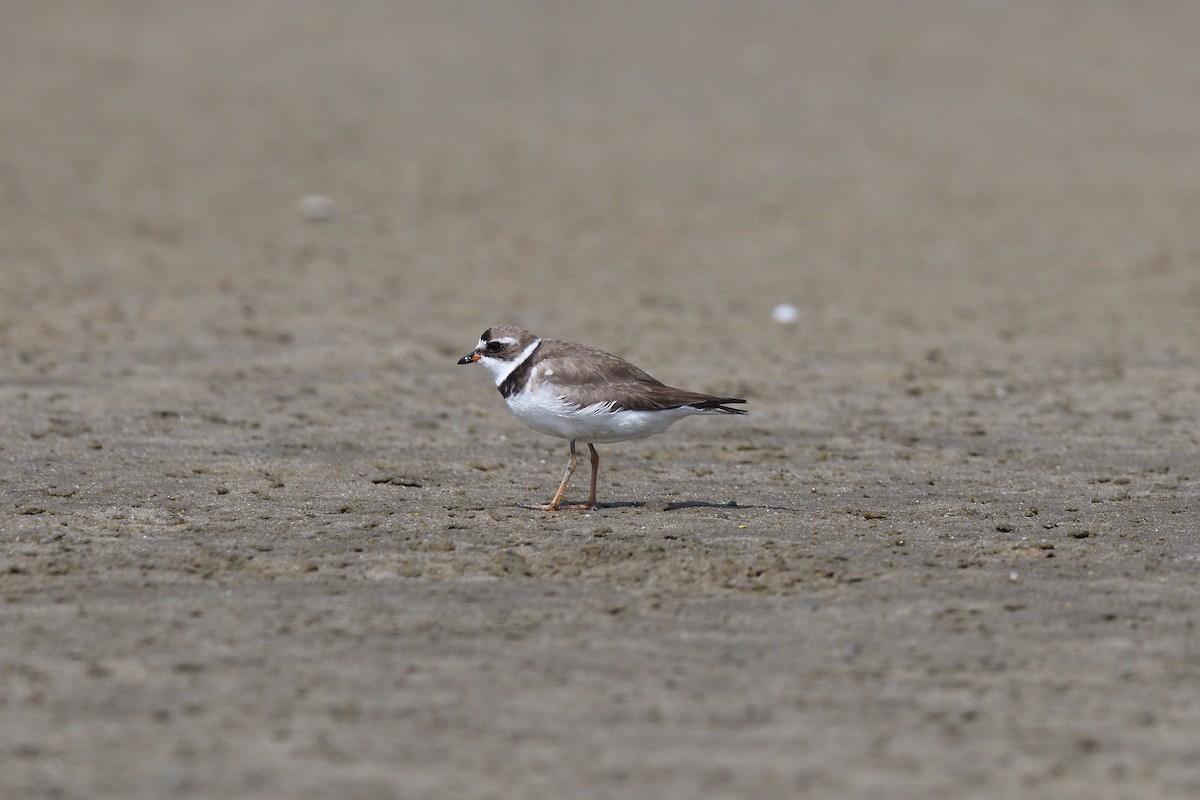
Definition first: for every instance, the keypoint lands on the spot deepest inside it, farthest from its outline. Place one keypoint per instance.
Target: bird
(580, 393)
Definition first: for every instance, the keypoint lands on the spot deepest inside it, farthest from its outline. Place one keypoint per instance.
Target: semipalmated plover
(579, 393)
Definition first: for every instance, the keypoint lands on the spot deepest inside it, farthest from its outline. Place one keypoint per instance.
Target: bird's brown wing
(602, 377)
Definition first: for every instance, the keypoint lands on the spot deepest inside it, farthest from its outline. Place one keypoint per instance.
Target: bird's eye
(494, 347)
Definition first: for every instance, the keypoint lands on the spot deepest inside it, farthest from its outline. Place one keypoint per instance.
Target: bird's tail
(718, 405)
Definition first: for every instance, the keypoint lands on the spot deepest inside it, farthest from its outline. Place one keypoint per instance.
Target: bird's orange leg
(555, 504)
(591, 501)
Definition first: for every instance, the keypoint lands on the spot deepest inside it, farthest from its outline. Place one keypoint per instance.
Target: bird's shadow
(729, 506)
(682, 505)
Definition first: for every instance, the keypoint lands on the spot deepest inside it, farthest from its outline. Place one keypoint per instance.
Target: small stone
(785, 314)
(316, 208)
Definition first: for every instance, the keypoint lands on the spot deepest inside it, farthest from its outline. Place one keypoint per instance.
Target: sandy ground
(261, 536)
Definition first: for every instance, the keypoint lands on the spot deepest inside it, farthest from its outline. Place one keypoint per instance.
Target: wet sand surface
(261, 535)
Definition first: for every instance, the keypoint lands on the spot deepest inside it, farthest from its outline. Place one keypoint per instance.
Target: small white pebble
(1014, 576)
(785, 314)
(316, 208)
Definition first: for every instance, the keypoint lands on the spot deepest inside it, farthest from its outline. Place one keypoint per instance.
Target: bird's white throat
(501, 368)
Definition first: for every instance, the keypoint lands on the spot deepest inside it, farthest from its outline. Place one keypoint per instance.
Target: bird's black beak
(469, 358)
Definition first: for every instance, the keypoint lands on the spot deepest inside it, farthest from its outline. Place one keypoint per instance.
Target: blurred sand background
(261, 536)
